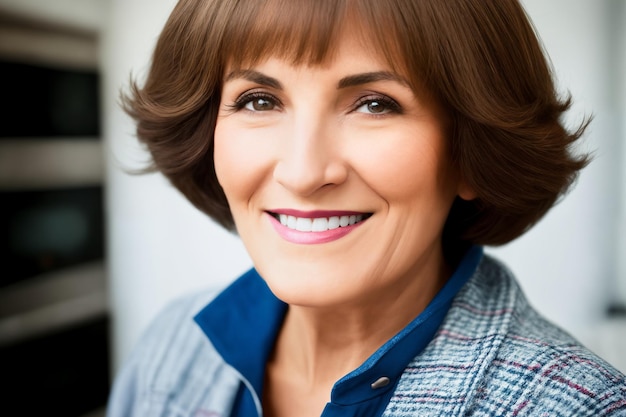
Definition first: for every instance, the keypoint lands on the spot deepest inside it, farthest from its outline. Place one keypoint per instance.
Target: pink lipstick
(315, 227)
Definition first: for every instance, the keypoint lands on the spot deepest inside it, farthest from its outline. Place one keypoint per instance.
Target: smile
(318, 224)
(315, 227)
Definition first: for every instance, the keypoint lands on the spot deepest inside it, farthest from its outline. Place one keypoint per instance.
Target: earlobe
(466, 192)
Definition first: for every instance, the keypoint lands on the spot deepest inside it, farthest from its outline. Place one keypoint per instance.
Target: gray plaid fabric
(496, 356)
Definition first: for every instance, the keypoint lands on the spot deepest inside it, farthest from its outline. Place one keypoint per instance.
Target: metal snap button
(383, 381)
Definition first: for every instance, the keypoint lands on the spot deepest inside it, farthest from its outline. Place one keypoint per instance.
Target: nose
(311, 158)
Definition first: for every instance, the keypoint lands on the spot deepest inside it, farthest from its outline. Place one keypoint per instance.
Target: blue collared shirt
(244, 320)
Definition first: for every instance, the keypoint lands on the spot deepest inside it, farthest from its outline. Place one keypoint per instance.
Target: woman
(364, 151)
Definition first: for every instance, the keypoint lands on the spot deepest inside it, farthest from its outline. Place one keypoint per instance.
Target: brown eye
(260, 104)
(377, 106)
(257, 102)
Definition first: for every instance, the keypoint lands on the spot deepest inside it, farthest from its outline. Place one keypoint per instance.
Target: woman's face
(338, 177)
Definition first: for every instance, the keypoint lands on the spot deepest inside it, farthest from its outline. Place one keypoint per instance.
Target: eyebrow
(255, 77)
(346, 82)
(370, 77)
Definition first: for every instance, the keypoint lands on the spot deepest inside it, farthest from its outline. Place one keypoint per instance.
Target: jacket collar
(243, 322)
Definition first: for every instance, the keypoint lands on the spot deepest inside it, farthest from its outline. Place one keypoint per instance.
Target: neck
(321, 345)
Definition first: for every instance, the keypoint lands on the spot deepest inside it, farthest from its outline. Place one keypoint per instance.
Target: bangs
(308, 32)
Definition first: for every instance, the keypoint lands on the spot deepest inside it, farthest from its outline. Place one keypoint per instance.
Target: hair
(480, 59)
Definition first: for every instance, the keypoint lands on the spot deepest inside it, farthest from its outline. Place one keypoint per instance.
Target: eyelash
(389, 104)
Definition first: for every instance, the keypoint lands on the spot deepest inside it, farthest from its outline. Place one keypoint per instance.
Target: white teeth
(333, 222)
(320, 224)
(303, 224)
(291, 222)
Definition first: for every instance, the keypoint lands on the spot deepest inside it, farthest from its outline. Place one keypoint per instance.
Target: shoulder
(167, 342)
(545, 371)
(175, 321)
(172, 360)
(495, 355)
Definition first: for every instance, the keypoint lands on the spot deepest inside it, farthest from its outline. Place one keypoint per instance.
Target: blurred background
(91, 253)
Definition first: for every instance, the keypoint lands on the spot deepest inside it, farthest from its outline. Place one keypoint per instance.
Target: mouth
(318, 222)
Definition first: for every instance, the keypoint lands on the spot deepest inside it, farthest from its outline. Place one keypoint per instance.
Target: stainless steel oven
(54, 315)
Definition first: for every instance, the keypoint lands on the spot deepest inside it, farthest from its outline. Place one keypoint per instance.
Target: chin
(312, 289)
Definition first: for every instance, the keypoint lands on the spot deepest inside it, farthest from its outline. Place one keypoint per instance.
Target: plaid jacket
(492, 356)
(496, 356)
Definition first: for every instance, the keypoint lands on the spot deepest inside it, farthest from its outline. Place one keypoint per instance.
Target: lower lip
(311, 238)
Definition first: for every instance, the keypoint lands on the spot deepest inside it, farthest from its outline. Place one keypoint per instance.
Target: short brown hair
(480, 59)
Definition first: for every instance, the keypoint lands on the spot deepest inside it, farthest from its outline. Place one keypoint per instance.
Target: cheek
(238, 161)
(223, 159)
(407, 171)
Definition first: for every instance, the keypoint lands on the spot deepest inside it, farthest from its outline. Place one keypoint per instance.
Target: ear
(466, 192)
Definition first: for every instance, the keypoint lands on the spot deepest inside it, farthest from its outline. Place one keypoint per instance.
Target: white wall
(160, 247)
(619, 98)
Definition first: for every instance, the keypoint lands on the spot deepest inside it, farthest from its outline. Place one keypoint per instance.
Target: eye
(260, 104)
(256, 102)
(377, 105)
